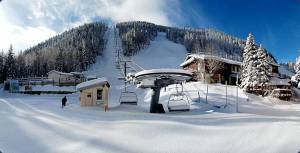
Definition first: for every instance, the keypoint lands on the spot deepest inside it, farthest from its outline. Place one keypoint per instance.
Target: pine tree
(21, 65)
(248, 76)
(255, 67)
(262, 67)
(10, 64)
(2, 73)
(297, 69)
(59, 63)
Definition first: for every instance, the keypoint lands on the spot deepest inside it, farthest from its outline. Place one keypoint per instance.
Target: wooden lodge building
(224, 69)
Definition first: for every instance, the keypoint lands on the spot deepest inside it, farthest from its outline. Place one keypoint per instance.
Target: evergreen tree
(297, 69)
(21, 65)
(10, 64)
(2, 73)
(248, 74)
(255, 67)
(263, 69)
(59, 63)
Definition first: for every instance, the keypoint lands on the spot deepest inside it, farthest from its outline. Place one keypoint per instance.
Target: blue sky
(274, 23)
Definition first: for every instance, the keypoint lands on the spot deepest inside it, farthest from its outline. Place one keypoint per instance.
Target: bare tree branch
(213, 66)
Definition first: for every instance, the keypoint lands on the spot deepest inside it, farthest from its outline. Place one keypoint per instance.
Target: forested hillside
(73, 50)
(77, 48)
(207, 41)
(137, 35)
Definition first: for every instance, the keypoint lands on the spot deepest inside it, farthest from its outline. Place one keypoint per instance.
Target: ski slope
(161, 53)
(105, 66)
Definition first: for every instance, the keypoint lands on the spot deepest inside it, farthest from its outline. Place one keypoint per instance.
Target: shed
(91, 92)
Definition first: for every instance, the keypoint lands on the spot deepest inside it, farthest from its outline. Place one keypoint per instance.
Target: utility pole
(237, 93)
(125, 74)
(226, 94)
(206, 93)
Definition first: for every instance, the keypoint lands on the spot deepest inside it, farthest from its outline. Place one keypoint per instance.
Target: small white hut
(91, 92)
(61, 77)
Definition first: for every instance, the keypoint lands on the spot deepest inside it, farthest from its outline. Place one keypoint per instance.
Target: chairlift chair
(179, 101)
(128, 98)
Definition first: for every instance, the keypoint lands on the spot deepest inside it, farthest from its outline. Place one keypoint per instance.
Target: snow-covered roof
(61, 73)
(91, 77)
(91, 83)
(190, 58)
(175, 74)
(77, 73)
(188, 61)
(163, 71)
(278, 81)
(283, 70)
(274, 64)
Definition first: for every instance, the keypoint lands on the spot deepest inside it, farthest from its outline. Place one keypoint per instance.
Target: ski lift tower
(157, 79)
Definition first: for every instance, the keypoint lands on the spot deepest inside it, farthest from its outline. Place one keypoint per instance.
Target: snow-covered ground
(32, 123)
(38, 124)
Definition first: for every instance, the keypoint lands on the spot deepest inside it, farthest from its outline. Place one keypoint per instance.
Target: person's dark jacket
(64, 101)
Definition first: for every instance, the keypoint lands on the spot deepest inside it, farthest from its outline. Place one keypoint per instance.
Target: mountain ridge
(76, 49)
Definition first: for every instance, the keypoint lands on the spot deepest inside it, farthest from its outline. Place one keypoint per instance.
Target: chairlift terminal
(157, 79)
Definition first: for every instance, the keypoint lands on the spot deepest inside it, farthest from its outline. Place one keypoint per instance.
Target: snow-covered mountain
(137, 35)
(77, 49)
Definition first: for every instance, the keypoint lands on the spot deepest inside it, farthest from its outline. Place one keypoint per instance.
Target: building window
(99, 94)
(89, 95)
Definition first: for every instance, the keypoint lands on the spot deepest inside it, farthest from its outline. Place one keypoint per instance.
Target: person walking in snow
(105, 96)
(63, 102)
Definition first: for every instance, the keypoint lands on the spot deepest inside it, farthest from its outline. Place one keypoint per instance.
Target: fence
(45, 81)
(217, 95)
